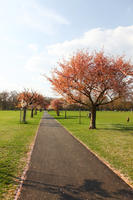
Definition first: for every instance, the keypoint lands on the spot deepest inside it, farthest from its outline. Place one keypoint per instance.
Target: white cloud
(116, 41)
(8, 85)
(36, 83)
(33, 47)
(40, 63)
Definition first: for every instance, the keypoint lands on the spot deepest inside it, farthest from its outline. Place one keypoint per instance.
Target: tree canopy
(94, 78)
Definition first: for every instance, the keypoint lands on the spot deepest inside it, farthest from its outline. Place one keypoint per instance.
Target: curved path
(61, 168)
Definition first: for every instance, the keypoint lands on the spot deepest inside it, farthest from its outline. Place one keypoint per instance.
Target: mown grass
(15, 139)
(112, 140)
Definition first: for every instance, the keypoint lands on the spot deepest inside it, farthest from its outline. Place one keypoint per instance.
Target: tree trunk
(65, 114)
(24, 115)
(32, 110)
(80, 116)
(93, 117)
(35, 111)
(20, 115)
(58, 113)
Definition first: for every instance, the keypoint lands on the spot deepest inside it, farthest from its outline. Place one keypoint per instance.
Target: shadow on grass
(28, 123)
(69, 117)
(6, 177)
(117, 127)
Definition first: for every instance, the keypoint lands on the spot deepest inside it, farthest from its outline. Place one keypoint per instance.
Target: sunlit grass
(112, 140)
(15, 139)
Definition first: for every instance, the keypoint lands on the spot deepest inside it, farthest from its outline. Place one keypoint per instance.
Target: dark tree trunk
(79, 116)
(35, 111)
(20, 115)
(58, 112)
(65, 114)
(24, 115)
(93, 117)
(32, 110)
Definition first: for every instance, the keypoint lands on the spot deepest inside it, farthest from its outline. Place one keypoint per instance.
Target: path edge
(23, 176)
(120, 175)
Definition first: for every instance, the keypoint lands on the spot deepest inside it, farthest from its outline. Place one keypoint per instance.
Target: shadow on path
(92, 187)
(89, 188)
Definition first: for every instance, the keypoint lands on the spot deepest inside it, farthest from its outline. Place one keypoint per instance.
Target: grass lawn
(112, 140)
(15, 139)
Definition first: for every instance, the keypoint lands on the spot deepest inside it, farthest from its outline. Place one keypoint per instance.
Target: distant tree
(122, 104)
(92, 79)
(56, 104)
(25, 99)
(33, 101)
(8, 100)
(47, 102)
(4, 100)
(39, 102)
(12, 100)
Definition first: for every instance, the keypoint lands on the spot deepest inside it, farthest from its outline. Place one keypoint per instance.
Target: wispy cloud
(40, 18)
(30, 14)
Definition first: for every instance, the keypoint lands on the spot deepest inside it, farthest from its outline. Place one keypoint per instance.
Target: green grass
(15, 139)
(112, 140)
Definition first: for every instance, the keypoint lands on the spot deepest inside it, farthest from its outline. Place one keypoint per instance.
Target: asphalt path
(63, 169)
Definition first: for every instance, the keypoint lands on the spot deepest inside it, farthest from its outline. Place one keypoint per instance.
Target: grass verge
(15, 140)
(112, 140)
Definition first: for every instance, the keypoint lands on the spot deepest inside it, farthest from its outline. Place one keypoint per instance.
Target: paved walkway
(61, 168)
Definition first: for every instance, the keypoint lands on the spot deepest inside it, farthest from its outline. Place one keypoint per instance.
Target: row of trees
(13, 100)
(8, 100)
(119, 105)
(93, 80)
(25, 100)
(31, 100)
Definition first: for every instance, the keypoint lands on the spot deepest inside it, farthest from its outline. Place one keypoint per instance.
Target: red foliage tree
(24, 100)
(31, 100)
(56, 104)
(39, 102)
(95, 79)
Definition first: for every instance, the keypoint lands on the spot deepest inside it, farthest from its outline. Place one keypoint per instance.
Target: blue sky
(35, 34)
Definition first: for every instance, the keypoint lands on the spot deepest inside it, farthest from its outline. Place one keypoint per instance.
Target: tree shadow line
(90, 188)
(121, 127)
(50, 125)
(118, 127)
